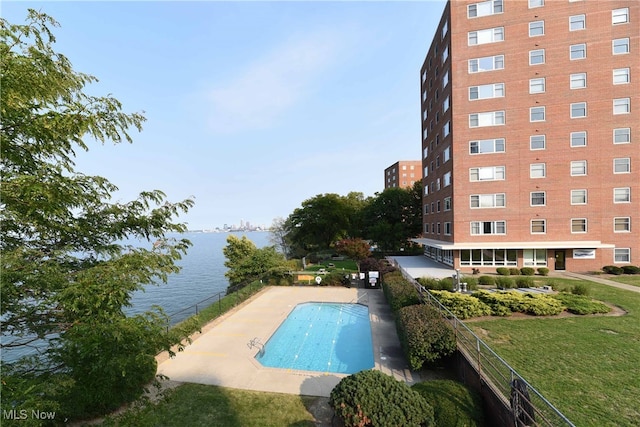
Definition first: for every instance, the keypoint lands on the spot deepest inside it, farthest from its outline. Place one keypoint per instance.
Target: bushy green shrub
(581, 304)
(514, 301)
(424, 334)
(454, 404)
(463, 306)
(430, 283)
(524, 282)
(504, 282)
(503, 271)
(543, 271)
(446, 283)
(472, 282)
(541, 305)
(630, 269)
(399, 291)
(527, 271)
(580, 289)
(486, 280)
(514, 271)
(372, 398)
(612, 269)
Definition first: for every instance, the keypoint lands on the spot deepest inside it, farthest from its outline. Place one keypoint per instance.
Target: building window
(579, 168)
(578, 225)
(535, 3)
(537, 142)
(481, 201)
(491, 118)
(489, 257)
(622, 195)
(621, 76)
(538, 226)
(578, 197)
(536, 57)
(537, 170)
(484, 8)
(578, 51)
(578, 110)
(447, 229)
(620, 46)
(446, 178)
(487, 173)
(622, 165)
(490, 35)
(446, 154)
(622, 255)
(577, 22)
(534, 257)
(494, 90)
(622, 224)
(426, 229)
(536, 28)
(622, 136)
(446, 104)
(622, 106)
(445, 29)
(578, 81)
(485, 146)
(447, 204)
(488, 227)
(537, 85)
(536, 114)
(579, 139)
(445, 54)
(538, 198)
(487, 63)
(620, 16)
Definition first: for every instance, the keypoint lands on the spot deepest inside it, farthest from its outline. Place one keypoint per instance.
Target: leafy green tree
(66, 275)
(392, 218)
(246, 262)
(278, 236)
(356, 249)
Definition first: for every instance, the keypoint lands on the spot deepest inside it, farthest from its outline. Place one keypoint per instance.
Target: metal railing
(528, 406)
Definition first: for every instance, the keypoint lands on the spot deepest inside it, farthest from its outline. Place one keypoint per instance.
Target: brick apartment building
(403, 174)
(531, 135)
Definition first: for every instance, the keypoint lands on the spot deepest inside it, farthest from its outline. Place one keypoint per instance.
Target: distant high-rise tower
(531, 135)
(403, 174)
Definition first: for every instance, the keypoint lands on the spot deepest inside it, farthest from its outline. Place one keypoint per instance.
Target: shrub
(524, 282)
(446, 283)
(543, 271)
(504, 282)
(612, 269)
(430, 283)
(424, 334)
(527, 271)
(630, 269)
(461, 305)
(580, 289)
(372, 398)
(514, 271)
(503, 271)
(541, 305)
(472, 282)
(580, 304)
(399, 292)
(486, 280)
(454, 404)
(512, 301)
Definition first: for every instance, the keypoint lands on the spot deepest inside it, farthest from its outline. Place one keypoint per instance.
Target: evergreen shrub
(372, 398)
(399, 292)
(612, 269)
(514, 271)
(486, 280)
(630, 269)
(503, 271)
(581, 304)
(454, 404)
(425, 336)
(527, 271)
(524, 282)
(543, 271)
(472, 282)
(463, 306)
(580, 289)
(504, 282)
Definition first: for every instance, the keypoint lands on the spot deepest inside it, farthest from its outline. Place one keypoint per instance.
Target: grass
(201, 405)
(626, 279)
(587, 367)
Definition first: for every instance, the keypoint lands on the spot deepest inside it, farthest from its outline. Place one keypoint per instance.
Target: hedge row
(525, 271)
(625, 269)
(398, 291)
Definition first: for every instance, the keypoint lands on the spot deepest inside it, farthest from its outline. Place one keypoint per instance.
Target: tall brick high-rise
(531, 135)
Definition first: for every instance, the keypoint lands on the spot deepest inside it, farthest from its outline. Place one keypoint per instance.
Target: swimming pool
(325, 337)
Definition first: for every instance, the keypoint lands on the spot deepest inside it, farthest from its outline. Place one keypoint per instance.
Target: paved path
(221, 356)
(421, 266)
(602, 281)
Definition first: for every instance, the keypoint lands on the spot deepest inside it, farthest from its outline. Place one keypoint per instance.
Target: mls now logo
(23, 414)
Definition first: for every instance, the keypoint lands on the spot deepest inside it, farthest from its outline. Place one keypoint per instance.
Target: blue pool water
(325, 337)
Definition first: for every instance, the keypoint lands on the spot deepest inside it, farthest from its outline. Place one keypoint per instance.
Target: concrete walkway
(220, 354)
(602, 281)
(421, 266)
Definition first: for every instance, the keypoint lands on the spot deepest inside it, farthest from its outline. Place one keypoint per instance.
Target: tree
(278, 236)
(392, 218)
(246, 262)
(66, 279)
(356, 249)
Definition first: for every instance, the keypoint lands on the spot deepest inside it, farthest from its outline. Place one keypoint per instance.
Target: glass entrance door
(560, 260)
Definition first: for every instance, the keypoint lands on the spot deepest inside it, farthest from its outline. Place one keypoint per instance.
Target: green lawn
(198, 405)
(587, 367)
(627, 279)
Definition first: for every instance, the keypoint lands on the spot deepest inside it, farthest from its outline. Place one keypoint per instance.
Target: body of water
(202, 274)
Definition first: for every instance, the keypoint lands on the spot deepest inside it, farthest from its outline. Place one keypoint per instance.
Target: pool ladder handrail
(357, 299)
(255, 342)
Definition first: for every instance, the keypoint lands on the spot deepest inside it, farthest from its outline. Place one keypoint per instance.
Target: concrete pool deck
(220, 355)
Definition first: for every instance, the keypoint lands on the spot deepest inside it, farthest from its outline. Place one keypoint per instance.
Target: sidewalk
(602, 281)
(421, 266)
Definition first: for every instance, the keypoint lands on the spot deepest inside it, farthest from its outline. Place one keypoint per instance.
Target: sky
(251, 107)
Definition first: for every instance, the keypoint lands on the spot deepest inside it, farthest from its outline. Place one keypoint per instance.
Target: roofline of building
(560, 244)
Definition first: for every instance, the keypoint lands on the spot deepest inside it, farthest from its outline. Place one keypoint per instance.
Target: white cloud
(268, 87)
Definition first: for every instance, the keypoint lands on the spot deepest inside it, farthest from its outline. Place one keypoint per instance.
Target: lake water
(202, 274)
